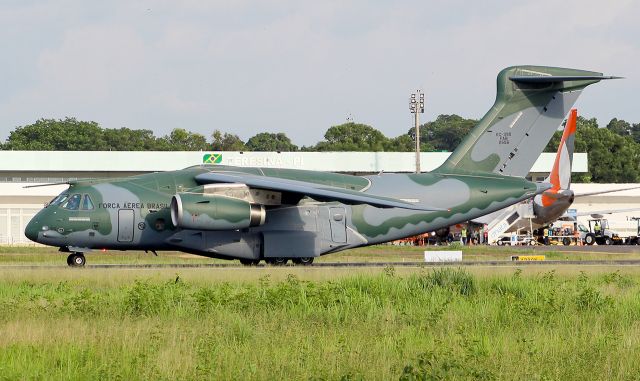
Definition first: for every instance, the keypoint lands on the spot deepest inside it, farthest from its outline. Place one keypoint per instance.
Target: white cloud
(298, 67)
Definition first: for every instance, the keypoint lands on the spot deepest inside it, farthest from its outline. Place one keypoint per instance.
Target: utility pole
(416, 106)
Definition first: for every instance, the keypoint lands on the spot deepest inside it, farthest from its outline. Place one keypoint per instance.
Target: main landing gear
(304, 261)
(76, 260)
(279, 261)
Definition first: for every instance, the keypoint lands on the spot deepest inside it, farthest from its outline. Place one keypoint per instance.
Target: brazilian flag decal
(212, 158)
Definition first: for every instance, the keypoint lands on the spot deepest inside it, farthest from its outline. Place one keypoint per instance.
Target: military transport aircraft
(277, 215)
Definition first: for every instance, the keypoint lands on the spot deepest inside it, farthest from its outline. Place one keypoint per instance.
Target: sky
(299, 67)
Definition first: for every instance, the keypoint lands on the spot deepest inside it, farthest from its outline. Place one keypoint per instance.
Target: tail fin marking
(531, 102)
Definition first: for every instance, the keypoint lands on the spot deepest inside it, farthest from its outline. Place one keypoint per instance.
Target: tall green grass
(433, 324)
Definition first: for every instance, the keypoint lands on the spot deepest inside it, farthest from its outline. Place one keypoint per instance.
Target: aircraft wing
(600, 212)
(316, 191)
(603, 192)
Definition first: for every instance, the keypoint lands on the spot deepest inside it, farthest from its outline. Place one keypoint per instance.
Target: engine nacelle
(201, 212)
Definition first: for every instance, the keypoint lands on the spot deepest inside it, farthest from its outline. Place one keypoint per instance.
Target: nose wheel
(76, 260)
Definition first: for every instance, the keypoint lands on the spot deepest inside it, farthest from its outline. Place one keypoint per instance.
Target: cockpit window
(87, 204)
(73, 203)
(59, 199)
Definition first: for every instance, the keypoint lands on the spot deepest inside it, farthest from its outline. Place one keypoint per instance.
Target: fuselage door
(338, 222)
(125, 225)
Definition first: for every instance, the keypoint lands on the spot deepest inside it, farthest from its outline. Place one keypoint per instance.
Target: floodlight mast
(416, 106)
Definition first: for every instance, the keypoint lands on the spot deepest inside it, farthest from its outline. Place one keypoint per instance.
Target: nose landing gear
(76, 260)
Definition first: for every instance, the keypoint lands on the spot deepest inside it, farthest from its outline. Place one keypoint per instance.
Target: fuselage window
(59, 199)
(72, 203)
(87, 204)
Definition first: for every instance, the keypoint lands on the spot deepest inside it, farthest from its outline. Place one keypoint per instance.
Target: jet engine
(202, 212)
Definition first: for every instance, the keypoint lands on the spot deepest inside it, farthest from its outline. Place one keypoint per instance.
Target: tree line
(614, 151)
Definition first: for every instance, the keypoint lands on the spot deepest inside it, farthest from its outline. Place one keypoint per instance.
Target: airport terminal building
(27, 168)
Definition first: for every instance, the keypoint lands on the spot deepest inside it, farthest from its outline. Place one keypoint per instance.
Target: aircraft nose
(32, 229)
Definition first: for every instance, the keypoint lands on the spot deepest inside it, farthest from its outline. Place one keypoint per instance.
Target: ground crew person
(463, 235)
(596, 227)
(545, 236)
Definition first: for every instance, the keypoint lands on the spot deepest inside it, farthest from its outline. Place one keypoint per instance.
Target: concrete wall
(32, 164)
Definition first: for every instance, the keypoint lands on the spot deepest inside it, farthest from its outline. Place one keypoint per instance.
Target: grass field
(30, 255)
(313, 324)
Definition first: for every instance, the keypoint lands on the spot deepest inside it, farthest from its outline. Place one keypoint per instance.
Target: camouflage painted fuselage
(135, 213)
(285, 213)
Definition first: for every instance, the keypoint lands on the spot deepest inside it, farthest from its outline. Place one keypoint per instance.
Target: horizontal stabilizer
(604, 192)
(316, 191)
(559, 78)
(601, 212)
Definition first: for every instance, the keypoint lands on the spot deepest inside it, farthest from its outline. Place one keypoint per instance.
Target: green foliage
(614, 156)
(183, 140)
(619, 127)
(125, 139)
(70, 134)
(403, 143)
(428, 325)
(614, 151)
(352, 137)
(588, 297)
(445, 133)
(443, 363)
(149, 299)
(457, 281)
(269, 142)
(49, 135)
(226, 142)
(618, 279)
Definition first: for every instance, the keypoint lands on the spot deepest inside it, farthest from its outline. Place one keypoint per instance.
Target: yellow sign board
(528, 257)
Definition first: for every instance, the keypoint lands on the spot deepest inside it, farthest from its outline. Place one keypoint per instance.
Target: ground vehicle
(521, 240)
(560, 232)
(635, 239)
(600, 233)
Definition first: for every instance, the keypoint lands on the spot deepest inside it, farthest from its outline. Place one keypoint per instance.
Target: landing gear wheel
(76, 260)
(589, 239)
(250, 262)
(566, 241)
(304, 261)
(279, 261)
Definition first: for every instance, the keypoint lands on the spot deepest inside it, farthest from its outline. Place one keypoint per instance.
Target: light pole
(416, 106)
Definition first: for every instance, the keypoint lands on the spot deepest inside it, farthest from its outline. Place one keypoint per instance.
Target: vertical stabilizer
(531, 102)
(560, 176)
